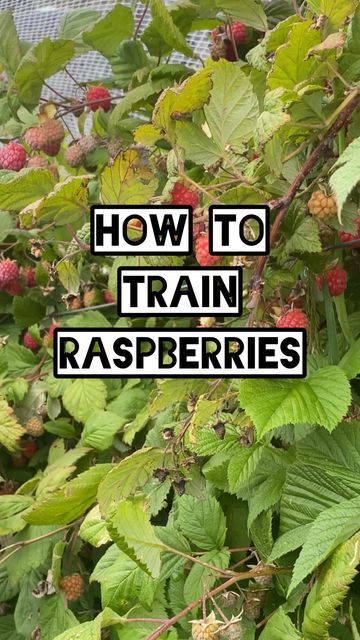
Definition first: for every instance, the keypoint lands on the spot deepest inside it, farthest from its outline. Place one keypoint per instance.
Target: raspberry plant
(145, 509)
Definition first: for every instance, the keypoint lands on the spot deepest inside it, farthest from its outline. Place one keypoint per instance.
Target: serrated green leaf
(126, 181)
(74, 23)
(71, 501)
(249, 12)
(67, 203)
(349, 62)
(68, 276)
(332, 527)
(201, 578)
(322, 398)
(10, 47)
(266, 496)
(99, 429)
(202, 521)
(280, 627)
(350, 362)
(335, 10)
(31, 556)
(242, 465)
(8, 630)
(11, 509)
(27, 311)
(17, 190)
(330, 589)
(54, 617)
(130, 474)
(290, 68)
(346, 174)
(166, 27)
(304, 236)
(130, 528)
(129, 58)
(10, 429)
(111, 30)
(83, 397)
(279, 35)
(40, 62)
(93, 528)
(271, 118)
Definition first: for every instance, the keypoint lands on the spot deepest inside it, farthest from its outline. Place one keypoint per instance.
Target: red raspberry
(9, 271)
(52, 148)
(100, 97)
(108, 296)
(28, 448)
(12, 156)
(29, 274)
(336, 281)
(293, 319)
(18, 462)
(202, 254)
(29, 342)
(182, 195)
(49, 336)
(52, 328)
(238, 32)
(53, 130)
(14, 288)
(72, 586)
(35, 138)
(347, 237)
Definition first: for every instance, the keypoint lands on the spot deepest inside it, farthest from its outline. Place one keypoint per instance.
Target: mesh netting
(37, 19)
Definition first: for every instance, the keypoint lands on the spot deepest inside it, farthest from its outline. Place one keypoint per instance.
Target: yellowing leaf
(290, 68)
(10, 429)
(333, 41)
(127, 180)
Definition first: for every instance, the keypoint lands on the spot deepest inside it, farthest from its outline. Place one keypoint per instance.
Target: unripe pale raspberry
(336, 279)
(207, 322)
(35, 137)
(348, 237)
(100, 97)
(72, 586)
(34, 427)
(88, 144)
(322, 206)
(74, 156)
(202, 254)
(29, 342)
(29, 275)
(12, 156)
(9, 271)
(205, 630)
(293, 319)
(53, 130)
(182, 195)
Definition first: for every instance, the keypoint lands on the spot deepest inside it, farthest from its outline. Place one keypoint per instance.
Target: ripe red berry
(52, 328)
(72, 586)
(202, 254)
(336, 280)
(29, 342)
(52, 148)
(28, 448)
(182, 195)
(14, 288)
(29, 275)
(12, 156)
(9, 271)
(238, 32)
(293, 319)
(347, 237)
(100, 97)
(108, 296)
(18, 462)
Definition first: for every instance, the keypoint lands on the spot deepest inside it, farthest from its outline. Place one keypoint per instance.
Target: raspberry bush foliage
(178, 509)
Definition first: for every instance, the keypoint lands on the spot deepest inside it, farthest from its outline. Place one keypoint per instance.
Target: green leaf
(40, 62)
(117, 25)
(130, 474)
(93, 528)
(243, 465)
(68, 276)
(11, 509)
(26, 609)
(303, 236)
(67, 203)
(350, 362)
(164, 24)
(7, 629)
(129, 58)
(60, 427)
(10, 429)
(290, 68)
(289, 541)
(266, 496)
(332, 527)
(280, 627)
(31, 556)
(10, 46)
(346, 176)
(84, 397)
(331, 588)
(126, 182)
(74, 23)
(27, 311)
(200, 577)
(130, 528)
(17, 190)
(99, 430)
(322, 398)
(335, 10)
(349, 62)
(271, 118)
(122, 580)
(54, 618)
(279, 35)
(71, 501)
(202, 521)
(133, 99)
(249, 12)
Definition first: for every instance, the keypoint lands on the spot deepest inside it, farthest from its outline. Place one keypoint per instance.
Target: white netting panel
(37, 19)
